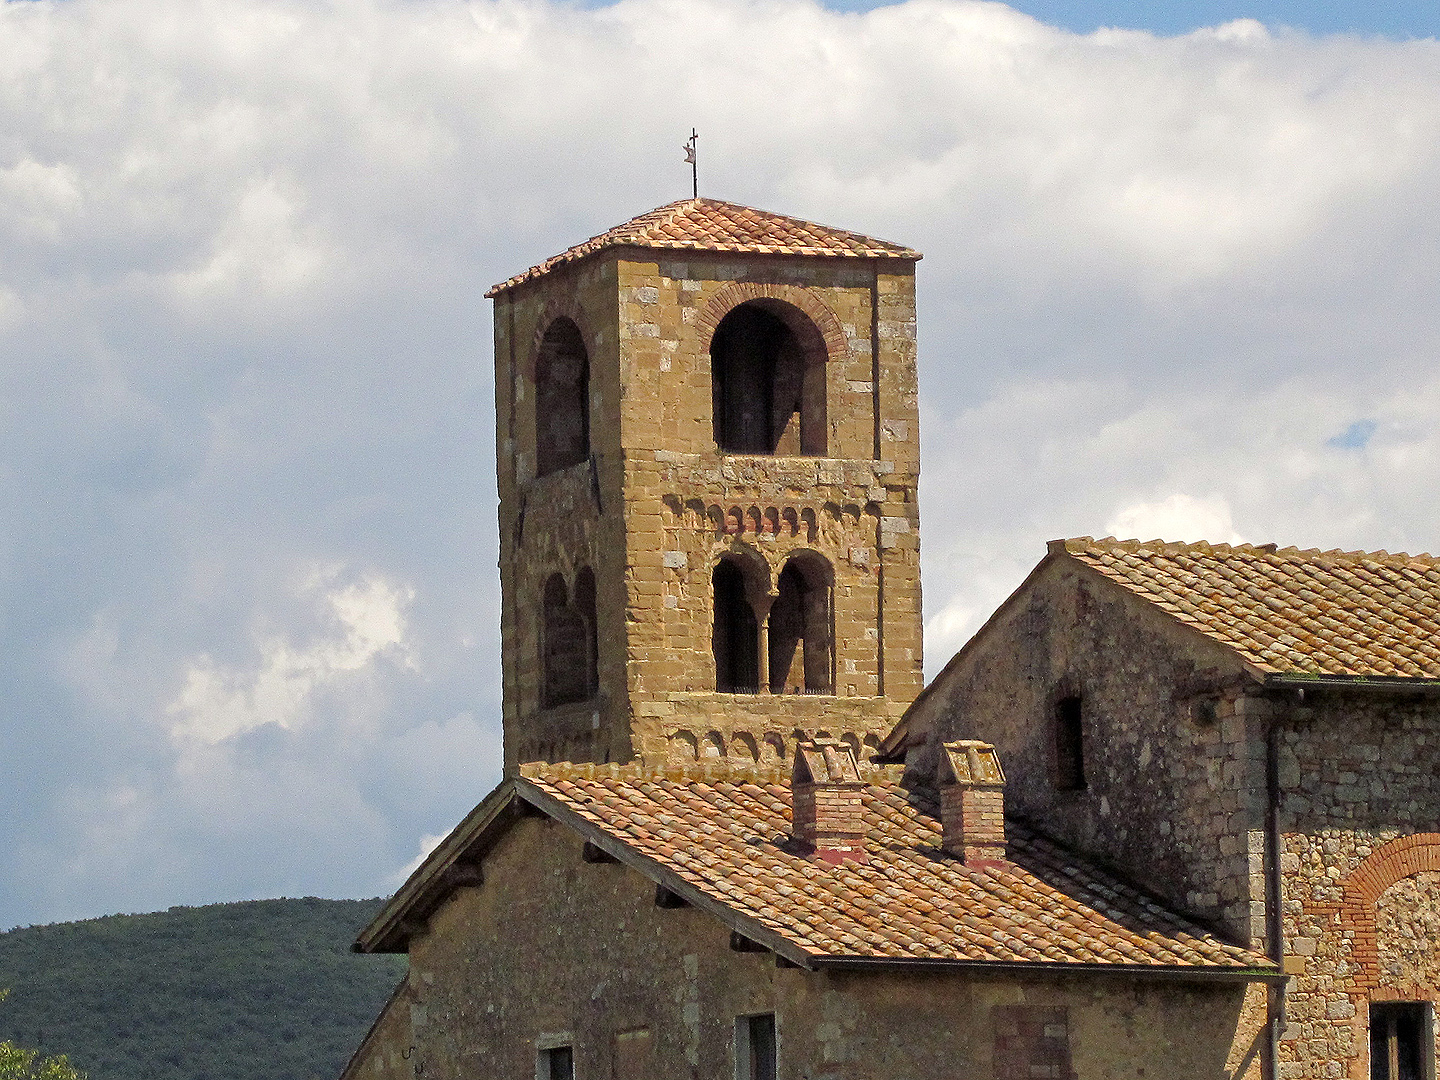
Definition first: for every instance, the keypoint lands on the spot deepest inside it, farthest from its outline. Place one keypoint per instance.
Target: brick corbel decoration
(795, 296)
(1383, 867)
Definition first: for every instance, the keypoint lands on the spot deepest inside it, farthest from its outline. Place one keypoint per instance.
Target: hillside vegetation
(263, 989)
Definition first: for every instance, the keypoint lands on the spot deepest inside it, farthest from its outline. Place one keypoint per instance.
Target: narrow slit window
(1399, 1038)
(557, 1063)
(756, 1056)
(1069, 745)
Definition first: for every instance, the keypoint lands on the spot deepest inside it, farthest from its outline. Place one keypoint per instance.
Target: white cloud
(1176, 517)
(242, 251)
(367, 623)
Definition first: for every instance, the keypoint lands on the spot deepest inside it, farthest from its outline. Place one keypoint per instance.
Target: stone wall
(1173, 754)
(555, 950)
(658, 505)
(1360, 825)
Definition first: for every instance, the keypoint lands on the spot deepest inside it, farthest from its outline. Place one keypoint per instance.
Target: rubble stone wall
(1173, 750)
(552, 950)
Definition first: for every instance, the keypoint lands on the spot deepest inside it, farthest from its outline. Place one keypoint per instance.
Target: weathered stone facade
(658, 505)
(642, 991)
(1190, 757)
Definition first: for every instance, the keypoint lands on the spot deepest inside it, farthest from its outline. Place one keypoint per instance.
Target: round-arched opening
(800, 629)
(767, 366)
(562, 398)
(736, 637)
(565, 648)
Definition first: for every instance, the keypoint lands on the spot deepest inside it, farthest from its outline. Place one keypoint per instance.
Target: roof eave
(387, 932)
(1172, 972)
(743, 924)
(1370, 684)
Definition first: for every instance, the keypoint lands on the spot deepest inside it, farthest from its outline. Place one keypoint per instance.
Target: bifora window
(736, 638)
(756, 1056)
(1401, 1044)
(568, 647)
(801, 653)
(562, 399)
(767, 365)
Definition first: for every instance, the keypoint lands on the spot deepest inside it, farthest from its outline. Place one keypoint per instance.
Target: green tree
(17, 1063)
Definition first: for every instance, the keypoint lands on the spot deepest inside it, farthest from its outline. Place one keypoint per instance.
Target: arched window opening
(585, 608)
(736, 639)
(562, 399)
(801, 650)
(768, 380)
(563, 646)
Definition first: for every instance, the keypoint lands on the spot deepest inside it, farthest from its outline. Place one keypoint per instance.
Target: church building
(1171, 813)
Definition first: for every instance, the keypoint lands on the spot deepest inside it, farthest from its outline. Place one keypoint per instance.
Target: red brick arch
(558, 308)
(797, 296)
(1390, 862)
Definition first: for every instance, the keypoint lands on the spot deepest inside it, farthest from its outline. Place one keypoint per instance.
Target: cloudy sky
(1179, 281)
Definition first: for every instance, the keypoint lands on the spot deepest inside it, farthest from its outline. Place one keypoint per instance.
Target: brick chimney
(972, 803)
(826, 801)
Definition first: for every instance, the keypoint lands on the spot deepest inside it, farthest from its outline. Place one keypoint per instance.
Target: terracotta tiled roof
(1287, 611)
(712, 225)
(728, 841)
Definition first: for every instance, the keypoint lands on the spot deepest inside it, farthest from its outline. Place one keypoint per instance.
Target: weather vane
(690, 160)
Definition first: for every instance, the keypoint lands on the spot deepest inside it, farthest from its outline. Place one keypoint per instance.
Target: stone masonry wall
(558, 523)
(688, 504)
(555, 950)
(1360, 825)
(1173, 755)
(658, 505)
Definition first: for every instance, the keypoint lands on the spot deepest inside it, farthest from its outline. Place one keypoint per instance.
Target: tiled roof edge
(1084, 545)
(704, 772)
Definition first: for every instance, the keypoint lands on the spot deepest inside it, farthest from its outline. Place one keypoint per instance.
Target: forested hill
(264, 989)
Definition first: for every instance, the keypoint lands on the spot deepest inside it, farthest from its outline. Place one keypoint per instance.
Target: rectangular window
(1069, 745)
(755, 1049)
(1400, 1041)
(556, 1063)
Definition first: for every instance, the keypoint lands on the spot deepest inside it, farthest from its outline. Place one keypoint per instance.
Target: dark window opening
(736, 638)
(1398, 1041)
(755, 1049)
(562, 399)
(769, 387)
(800, 635)
(565, 647)
(557, 1063)
(1069, 745)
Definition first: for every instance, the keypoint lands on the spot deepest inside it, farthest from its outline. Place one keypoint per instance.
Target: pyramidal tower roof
(713, 225)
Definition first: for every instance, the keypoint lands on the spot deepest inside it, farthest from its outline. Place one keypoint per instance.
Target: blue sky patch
(1355, 437)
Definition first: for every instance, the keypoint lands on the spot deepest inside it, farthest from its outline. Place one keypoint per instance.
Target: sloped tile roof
(728, 839)
(1288, 611)
(712, 225)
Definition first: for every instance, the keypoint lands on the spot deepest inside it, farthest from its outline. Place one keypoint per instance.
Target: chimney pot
(972, 803)
(827, 804)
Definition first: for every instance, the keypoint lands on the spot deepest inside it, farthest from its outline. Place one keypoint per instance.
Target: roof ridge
(1079, 545)
(714, 225)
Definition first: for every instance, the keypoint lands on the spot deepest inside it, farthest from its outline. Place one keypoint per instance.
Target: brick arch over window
(769, 348)
(559, 373)
(1390, 863)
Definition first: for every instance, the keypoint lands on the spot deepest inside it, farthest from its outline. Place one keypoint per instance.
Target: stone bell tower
(708, 451)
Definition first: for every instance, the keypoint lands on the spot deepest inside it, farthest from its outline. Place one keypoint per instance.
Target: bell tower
(708, 451)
